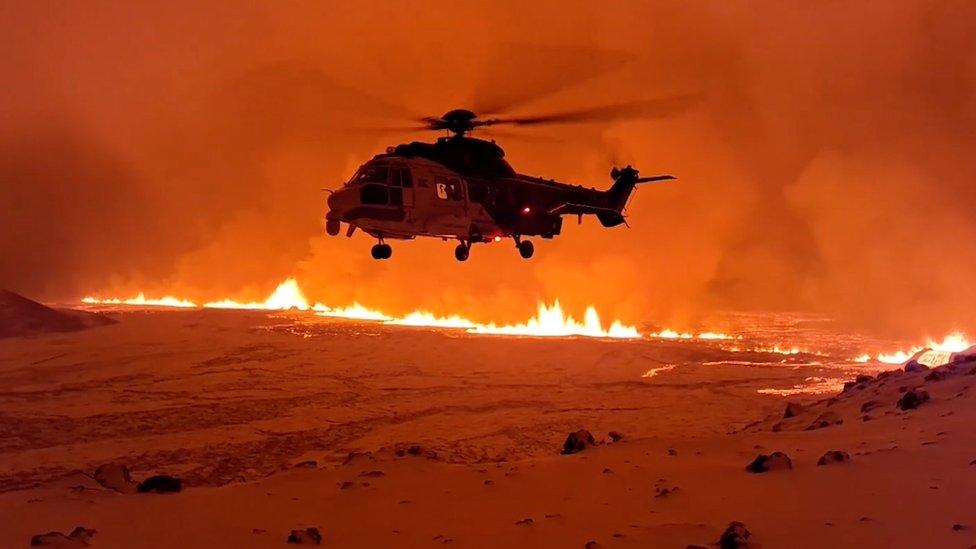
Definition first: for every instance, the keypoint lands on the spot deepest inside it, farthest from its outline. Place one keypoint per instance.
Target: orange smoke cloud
(183, 149)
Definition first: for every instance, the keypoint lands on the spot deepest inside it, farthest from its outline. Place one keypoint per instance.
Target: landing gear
(381, 251)
(462, 251)
(332, 227)
(526, 249)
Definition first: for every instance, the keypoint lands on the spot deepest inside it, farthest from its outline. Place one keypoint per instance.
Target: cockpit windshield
(369, 174)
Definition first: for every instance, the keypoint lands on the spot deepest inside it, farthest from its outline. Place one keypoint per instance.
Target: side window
(455, 190)
(440, 184)
(477, 192)
(373, 193)
(405, 178)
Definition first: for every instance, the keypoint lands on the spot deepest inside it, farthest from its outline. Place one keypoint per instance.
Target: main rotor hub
(459, 121)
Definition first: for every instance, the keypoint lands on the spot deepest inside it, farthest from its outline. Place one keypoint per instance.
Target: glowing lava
(142, 300)
(550, 320)
(707, 336)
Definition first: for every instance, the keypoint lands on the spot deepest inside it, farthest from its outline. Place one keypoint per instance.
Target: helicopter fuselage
(462, 188)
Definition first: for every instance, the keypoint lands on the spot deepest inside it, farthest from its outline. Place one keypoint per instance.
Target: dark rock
(912, 399)
(307, 464)
(160, 484)
(672, 452)
(615, 436)
(913, 366)
(20, 316)
(356, 457)
(592, 545)
(888, 373)
(578, 441)
(402, 449)
(935, 375)
(372, 474)
(792, 409)
(863, 378)
(115, 476)
(525, 522)
(834, 456)
(824, 420)
(665, 492)
(735, 536)
(848, 385)
(777, 461)
(869, 405)
(79, 537)
(308, 536)
(958, 527)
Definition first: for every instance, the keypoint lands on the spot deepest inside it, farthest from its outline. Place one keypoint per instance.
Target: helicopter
(462, 188)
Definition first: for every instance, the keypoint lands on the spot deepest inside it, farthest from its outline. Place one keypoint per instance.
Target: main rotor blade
(653, 108)
(516, 74)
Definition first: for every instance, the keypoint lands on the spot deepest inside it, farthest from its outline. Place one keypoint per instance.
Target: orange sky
(181, 149)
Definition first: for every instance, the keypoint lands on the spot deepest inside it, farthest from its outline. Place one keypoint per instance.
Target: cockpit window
(370, 174)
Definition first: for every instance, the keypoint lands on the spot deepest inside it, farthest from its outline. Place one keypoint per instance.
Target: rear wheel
(526, 249)
(462, 252)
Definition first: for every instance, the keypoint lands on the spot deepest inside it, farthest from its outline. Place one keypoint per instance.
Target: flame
(954, 342)
(423, 318)
(141, 299)
(550, 320)
(286, 296)
(352, 312)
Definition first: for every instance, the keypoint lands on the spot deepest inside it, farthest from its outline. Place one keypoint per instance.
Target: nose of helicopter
(339, 203)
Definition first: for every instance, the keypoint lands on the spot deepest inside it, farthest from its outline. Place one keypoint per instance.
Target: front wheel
(462, 252)
(526, 249)
(332, 227)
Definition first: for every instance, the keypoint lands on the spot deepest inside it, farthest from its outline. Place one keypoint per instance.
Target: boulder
(115, 476)
(935, 375)
(160, 484)
(402, 449)
(824, 420)
(792, 409)
(615, 436)
(834, 456)
(308, 536)
(869, 405)
(777, 461)
(863, 378)
(912, 399)
(735, 536)
(578, 441)
(79, 537)
(913, 366)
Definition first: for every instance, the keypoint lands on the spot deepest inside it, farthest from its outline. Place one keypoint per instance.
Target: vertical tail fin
(624, 181)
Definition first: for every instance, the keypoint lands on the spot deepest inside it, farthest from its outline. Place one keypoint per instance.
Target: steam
(828, 165)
